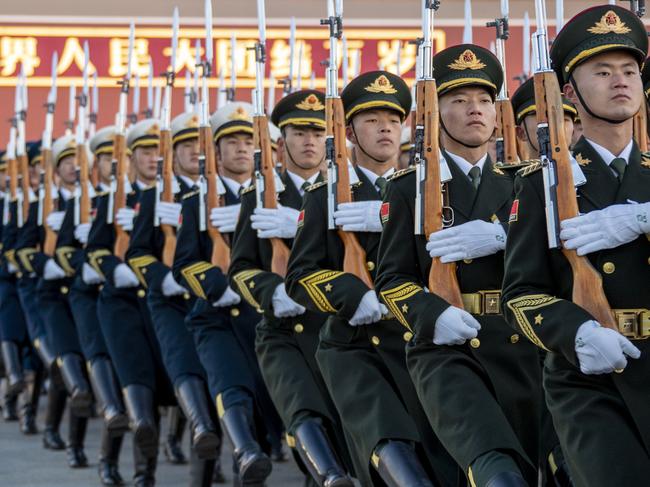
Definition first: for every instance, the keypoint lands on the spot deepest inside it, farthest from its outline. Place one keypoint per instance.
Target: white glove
(228, 298)
(81, 232)
(90, 276)
(601, 350)
(55, 219)
(605, 229)
(283, 305)
(476, 238)
(359, 216)
(168, 213)
(280, 222)
(125, 217)
(124, 277)
(225, 218)
(52, 271)
(454, 327)
(170, 287)
(370, 310)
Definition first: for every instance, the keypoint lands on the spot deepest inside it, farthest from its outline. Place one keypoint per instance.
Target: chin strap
(442, 124)
(586, 107)
(530, 141)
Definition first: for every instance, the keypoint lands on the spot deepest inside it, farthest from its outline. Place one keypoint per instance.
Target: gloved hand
(607, 228)
(601, 350)
(170, 287)
(283, 305)
(280, 222)
(90, 276)
(476, 238)
(81, 232)
(125, 217)
(370, 310)
(228, 298)
(124, 277)
(359, 216)
(169, 213)
(55, 219)
(52, 271)
(12, 268)
(454, 327)
(225, 218)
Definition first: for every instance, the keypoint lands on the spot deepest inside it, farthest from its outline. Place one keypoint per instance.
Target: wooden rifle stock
(49, 244)
(262, 141)
(641, 127)
(506, 131)
(119, 200)
(23, 163)
(84, 183)
(220, 249)
(587, 282)
(166, 152)
(442, 277)
(354, 259)
(12, 171)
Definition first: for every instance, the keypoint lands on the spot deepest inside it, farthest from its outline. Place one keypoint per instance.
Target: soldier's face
(306, 146)
(104, 167)
(610, 85)
(66, 170)
(146, 162)
(34, 175)
(186, 155)
(469, 115)
(236, 153)
(378, 132)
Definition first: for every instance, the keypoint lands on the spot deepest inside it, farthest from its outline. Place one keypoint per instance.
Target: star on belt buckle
(491, 302)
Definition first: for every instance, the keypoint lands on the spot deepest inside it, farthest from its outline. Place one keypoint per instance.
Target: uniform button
(141, 293)
(299, 328)
(100, 287)
(202, 277)
(467, 261)
(99, 261)
(31, 257)
(609, 267)
(144, 271)
(407, 336)
(649, 260)
(514, 338)
(64, 289)
(234, 312)
(370, 265)
(475, 343)
(186, 296)
(375, 340)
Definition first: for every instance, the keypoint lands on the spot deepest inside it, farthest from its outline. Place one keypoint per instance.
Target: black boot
(108, 458)
(398, 465)
(45, 353)
(74, 377)
(319, 458)
(10, 406)
(201, 470)
(176, 424)
(140, 406)
(145, 468)
(30, 406)
(56, 399)
(252, 463)
(507, 479)
(107, 390)
(194, 401)
(218, 477)
(13, 368)
(75, 447)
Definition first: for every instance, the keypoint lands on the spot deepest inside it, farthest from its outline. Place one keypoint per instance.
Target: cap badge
(381, 85)
(193, 121)
(467, 60)
(154, 129)
(311, 103)
(610, 22)
(240, 113)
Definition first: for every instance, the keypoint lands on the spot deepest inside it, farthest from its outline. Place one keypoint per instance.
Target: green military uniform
(364, 366)
(601, 420)
(484, 395)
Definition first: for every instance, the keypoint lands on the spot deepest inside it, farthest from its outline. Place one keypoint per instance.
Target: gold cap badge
(193, 121)
(610, 22)
(311, 103)
(153, 130)
(381, 85)
(467, 60)
(239, 114)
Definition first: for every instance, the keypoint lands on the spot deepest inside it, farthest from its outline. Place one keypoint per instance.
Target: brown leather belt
(483, 302)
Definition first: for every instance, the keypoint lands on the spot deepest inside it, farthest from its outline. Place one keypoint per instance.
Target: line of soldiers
(391, 386)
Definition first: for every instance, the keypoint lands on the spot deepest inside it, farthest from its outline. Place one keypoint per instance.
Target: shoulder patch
(401, 172)
(249, 189)
(645, 159)
(530, 169)
(190, 194)
(316, 186)
(517, 166)
(102, 193)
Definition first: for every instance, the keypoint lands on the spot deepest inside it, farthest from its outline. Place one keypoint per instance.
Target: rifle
(207, 161)
(506, 140)
(638, 7)
(165, 178)
(559, 189)
(264, 172)
(641, 127)
(46, 200)
(430, 194)
(338, 179)
(82, 204)
(12, 171)
(21, 151)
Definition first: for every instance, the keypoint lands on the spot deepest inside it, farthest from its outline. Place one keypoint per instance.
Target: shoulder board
(248, 190)
(190, 194)
(101, 193)
(530, 169)
(517, 166)
(357, 184)
(645, 159)
(645, 155)
(315, 186)
(401, 172)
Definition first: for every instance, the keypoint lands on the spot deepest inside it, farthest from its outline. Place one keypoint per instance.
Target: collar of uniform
(372, 177)
(234, 186)
(607, 156)
(66, 193)
(141, 186)
(187, 180)
(104, 187)
(465, 166)
(298, 181)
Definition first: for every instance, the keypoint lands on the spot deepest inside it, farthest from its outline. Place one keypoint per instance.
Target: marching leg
(193, 399)
(72, 371)
(13, 368)
(176, 422)
(56, 400)
(108, 458)
(31, 397)
(104, 382)
(140, 406)
(75, 447)
(398, 465)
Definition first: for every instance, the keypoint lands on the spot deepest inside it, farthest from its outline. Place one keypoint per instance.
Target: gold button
(31, 257)
(514, 338)
(100, 287)
(234, 312)
(375, 340)
(186, 296)
(141, 293)
(475, 343)
(407, 336)
(144, 271)
(619, 371)
(467, 261)
(370, 265)
(202, 277)
(648, 260)
(299, 328)
(99, 261)
(64, 289)
(609, 267)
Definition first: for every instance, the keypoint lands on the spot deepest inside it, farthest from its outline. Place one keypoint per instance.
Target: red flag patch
(301, 218)
(514, 212)
(384, 212)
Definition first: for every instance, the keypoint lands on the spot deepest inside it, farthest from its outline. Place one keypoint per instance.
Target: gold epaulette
(148, 188)
(248, 190)
(401, 172)
(103, 193)
(530, 169)
(645, 159)
(190, 194)
(517, 166)
(315, 186)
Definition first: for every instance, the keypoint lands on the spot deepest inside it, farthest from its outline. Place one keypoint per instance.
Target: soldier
(364, 366)
(122, 311)
(597, 58)
(224, 329)
(287, 336)
(169, 302)
(480, 393)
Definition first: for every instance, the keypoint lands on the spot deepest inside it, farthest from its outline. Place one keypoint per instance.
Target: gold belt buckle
(472, 302)
(634, 323)
(491, 302)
